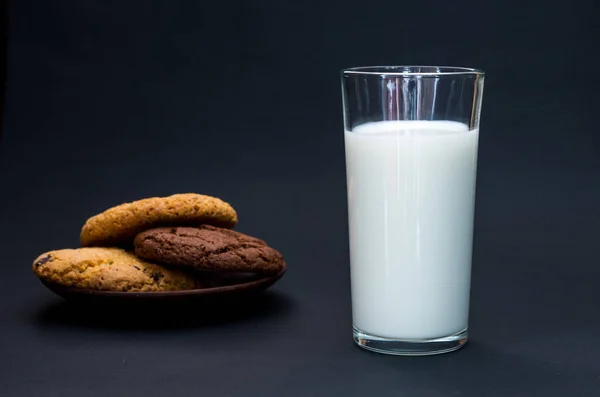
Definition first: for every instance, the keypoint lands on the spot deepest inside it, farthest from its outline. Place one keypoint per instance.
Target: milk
(411, 187)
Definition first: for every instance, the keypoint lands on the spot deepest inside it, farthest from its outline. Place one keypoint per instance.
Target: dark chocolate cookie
(209, 248)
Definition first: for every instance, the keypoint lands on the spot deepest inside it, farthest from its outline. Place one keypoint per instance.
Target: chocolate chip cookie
(119, 225)
(209, 248)
(108, 269)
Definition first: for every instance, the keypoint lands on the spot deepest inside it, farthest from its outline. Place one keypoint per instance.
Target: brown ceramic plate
(240, 288)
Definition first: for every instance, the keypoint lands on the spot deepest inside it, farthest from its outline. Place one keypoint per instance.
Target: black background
(110, 101)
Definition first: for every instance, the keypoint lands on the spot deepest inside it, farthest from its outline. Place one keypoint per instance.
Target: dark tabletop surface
(110, 102)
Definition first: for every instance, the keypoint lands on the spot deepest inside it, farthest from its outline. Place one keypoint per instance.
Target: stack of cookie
(159, 244)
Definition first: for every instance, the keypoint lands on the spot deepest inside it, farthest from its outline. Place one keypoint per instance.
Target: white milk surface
(411, 188)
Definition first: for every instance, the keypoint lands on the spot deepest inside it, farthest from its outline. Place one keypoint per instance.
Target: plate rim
(241, 287)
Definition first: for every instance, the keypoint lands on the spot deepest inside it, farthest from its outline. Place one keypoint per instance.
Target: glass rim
(411, 71)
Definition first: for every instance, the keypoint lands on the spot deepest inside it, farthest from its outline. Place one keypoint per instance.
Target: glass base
(410, 347)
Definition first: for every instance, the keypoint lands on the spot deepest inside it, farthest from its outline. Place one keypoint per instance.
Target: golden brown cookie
(108, 269)
(208, 248)
(119, 225)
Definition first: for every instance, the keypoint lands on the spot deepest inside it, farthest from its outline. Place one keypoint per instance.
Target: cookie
(209, 248)
(119, 225)
(108, 269)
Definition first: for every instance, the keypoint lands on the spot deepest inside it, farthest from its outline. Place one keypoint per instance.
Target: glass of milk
(411, 136)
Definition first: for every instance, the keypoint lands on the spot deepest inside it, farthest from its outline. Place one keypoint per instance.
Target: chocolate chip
(157, 276)
(44, 260)
(137, 267)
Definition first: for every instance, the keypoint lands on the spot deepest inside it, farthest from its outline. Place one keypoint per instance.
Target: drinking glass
(411, 138)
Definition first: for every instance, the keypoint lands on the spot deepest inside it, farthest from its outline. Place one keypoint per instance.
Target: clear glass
(411, 138)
